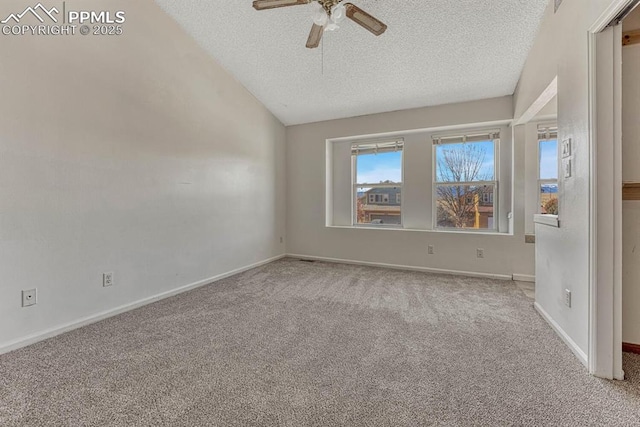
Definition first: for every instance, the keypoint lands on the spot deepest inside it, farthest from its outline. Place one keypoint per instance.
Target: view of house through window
(378, 183)
(465, 183)
(548, 170)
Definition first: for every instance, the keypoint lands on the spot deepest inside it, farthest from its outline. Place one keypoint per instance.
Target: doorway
(631, 182)
(606, 246)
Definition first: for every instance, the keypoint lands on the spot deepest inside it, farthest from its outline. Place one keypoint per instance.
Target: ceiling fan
(327, 16)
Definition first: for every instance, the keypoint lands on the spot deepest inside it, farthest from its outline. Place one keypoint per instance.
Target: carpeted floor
(296, 344)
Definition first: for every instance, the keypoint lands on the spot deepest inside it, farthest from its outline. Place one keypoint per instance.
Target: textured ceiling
(434, 52)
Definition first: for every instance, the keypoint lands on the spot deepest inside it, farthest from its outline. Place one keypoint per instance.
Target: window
(378, 198)
(465, 181)
(377, 185)
(548, 170)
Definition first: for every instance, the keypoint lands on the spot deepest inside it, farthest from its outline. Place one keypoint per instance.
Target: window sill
(390, 228)
(550, 220)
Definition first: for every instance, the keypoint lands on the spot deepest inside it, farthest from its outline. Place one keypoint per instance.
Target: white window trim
(552, 137)
(356, 185)
(495, 183)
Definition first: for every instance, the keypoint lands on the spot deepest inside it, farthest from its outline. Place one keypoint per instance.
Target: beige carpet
(297, 344)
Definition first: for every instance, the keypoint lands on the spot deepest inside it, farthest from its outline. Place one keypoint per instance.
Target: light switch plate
(566, 148)
(566, 168)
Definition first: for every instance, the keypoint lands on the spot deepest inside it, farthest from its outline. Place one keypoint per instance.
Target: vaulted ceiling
(434, 52)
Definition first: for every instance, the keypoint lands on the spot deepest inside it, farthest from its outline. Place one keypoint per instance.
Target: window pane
(465, 206)
(549, 198)
(378, 206)
(549, 159)
(465, 162)
(379, 168)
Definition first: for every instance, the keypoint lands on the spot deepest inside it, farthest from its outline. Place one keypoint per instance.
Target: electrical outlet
(430, 249)
(29, 298)
(107, 279)
(567, 298)
(480, 253)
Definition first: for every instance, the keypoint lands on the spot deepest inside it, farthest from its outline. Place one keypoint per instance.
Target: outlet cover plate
(107, 279)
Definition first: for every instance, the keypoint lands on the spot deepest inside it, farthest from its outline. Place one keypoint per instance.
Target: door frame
(605, 216)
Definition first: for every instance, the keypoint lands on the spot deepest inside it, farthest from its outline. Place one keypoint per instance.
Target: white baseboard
(404, 267)
(57, 330)
(524, 278)
(581, 355)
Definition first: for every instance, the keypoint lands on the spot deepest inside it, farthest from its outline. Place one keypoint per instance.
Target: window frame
(437, 141)
(551, 128)
(355, 185)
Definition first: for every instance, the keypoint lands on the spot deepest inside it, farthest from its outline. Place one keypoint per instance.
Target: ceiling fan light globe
(338, 13)
(331, 27)
(320, 17)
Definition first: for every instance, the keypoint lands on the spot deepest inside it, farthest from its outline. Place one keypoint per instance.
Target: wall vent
(557, 5)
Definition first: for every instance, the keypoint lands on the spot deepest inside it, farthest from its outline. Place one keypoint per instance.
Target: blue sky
(375, 168)
(549, 159)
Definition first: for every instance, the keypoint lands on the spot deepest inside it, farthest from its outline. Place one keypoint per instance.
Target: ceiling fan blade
(271, 4)
(365, 20)
(315, 36)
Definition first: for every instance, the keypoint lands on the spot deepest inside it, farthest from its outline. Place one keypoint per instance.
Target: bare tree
(360, 213)
(457, 204)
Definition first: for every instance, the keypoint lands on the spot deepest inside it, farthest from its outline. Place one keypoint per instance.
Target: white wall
(306, 174)
(561, 49)
(135, 154)
(631, 173)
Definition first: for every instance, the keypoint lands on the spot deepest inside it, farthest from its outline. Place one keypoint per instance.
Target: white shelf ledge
(421, 230)
(550, 220)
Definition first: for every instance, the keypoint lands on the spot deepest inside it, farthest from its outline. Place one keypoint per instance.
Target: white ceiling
(434, 52)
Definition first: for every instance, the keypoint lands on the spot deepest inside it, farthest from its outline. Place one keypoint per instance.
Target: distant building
(380, 206)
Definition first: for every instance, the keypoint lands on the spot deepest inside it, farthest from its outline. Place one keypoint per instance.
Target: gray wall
(134, 154)
(308, 234)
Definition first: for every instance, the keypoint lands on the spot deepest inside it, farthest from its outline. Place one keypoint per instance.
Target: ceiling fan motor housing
(328, 5)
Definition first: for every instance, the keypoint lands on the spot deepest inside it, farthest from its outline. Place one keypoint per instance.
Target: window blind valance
(472, 137)
(377, 147)
(547, 132)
